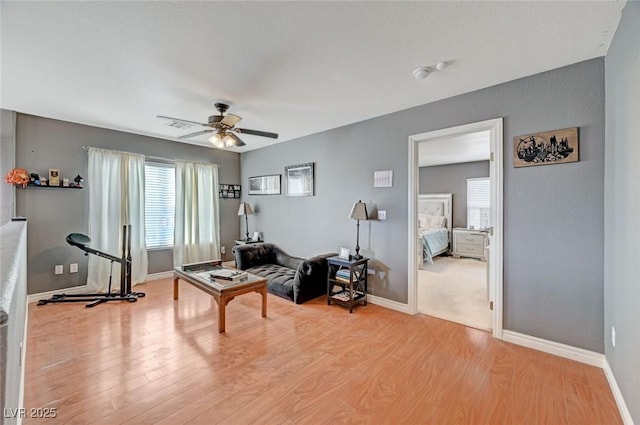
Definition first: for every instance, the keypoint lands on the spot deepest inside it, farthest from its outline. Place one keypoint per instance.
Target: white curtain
(197, 219)
(116, 198)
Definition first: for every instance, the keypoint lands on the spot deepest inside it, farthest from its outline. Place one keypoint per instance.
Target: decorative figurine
(34, 178)
(78, 180)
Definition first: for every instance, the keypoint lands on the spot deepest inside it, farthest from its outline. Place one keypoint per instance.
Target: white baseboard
(383, 302)
(567, 351)
(578, 354)
(32, 298)
(158, 276)
(617, 394)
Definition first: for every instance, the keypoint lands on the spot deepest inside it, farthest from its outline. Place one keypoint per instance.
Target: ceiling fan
(223, 127)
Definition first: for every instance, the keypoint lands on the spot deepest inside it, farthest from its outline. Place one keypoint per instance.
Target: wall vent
(180, 125)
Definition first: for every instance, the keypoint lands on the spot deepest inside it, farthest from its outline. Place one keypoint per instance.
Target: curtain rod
(154, 158)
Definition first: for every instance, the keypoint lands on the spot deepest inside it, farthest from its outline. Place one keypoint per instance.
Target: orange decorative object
(17, 176)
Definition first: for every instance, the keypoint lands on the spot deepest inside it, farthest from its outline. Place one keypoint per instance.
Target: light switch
(382, 214)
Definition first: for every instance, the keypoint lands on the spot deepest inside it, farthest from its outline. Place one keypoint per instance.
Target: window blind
(159, 199)
(478, 203)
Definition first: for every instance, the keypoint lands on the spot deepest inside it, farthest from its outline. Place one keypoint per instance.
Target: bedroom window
(478, 203)
(159, 203)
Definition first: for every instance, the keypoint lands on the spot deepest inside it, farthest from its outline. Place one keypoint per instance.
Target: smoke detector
(421, 73)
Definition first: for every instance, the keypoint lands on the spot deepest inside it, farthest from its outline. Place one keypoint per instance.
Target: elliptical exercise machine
(79, 240)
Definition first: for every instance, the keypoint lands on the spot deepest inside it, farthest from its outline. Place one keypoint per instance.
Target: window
(159, 203)
(478, 204)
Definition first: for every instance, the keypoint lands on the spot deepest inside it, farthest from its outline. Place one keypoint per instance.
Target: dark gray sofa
(295, 279)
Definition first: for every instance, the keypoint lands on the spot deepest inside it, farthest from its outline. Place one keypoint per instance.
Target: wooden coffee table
(197, 274)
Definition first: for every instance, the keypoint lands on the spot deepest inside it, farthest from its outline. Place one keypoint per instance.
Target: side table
(347, 281)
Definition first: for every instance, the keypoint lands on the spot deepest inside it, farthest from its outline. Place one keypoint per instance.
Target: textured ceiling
(294, 68)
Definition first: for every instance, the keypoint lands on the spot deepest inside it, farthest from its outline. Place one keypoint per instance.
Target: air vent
(180, 125)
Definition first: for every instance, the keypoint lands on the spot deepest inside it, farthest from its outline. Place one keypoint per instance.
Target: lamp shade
(359, 211)
(245, 209)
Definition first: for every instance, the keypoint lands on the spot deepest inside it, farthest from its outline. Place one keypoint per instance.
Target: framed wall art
(265, 185)
(550, 147)
(229, 191)
(299, 179)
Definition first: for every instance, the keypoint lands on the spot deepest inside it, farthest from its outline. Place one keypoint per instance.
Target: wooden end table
(197, 274)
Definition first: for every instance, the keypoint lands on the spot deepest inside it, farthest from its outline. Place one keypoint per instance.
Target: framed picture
(265, 185)
(299, 179)
(550, 147)
(345, 253)
(229, 191)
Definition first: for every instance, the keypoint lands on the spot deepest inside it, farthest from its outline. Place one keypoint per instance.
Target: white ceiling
(294, 68)
(467, 147)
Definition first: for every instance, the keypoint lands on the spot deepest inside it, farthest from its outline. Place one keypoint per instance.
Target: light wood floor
(160, 361)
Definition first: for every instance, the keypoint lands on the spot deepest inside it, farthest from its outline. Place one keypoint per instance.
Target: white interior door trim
(494, 126)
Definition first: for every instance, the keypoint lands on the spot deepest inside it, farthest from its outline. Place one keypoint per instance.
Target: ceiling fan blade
(230, 120)
(197, 133)
(257, 133)
(180, 119)
(236, 139)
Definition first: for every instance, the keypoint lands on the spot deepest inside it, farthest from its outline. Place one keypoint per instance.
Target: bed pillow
(423, 220)
(437, 221)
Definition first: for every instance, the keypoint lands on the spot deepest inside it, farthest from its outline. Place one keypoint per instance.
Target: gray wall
(54, 213)
(553, 218)
(622, 213)
(452, 178)
(7, 157)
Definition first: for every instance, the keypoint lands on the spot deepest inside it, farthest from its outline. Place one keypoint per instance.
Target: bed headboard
(437, 204)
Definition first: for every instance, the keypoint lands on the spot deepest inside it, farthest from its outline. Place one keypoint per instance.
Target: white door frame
(496, 215)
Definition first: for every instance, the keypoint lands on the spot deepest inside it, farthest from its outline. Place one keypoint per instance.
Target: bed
(434, 226)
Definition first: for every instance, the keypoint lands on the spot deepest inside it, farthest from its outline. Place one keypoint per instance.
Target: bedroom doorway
(456, 273)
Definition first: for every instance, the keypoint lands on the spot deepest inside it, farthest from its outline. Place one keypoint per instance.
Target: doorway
(494, 253)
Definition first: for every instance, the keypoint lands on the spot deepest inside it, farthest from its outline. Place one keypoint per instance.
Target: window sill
(164, 248)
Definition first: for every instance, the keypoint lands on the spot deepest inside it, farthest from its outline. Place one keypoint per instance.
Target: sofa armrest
(252, 255)
(311, 278)
(285, 260)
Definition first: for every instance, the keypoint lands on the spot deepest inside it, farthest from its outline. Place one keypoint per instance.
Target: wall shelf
(35, 186)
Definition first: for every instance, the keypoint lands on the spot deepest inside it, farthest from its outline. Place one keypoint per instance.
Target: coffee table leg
(222, 307)
(175, 288)
(263, 292)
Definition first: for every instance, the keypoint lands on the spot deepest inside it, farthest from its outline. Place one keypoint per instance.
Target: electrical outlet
(58, 269)
(613, 336)
(382, 214)
(73, 268)
(223, 250)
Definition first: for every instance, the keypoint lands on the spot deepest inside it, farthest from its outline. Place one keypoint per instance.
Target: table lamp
(358, 212)
(245, 210)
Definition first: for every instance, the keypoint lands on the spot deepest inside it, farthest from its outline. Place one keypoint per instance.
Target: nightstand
(469, 243)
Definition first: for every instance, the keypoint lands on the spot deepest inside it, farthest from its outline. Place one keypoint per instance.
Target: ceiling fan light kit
(222, 140)
(224, 128)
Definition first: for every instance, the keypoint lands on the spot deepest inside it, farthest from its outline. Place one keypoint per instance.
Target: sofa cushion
(280, 279)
